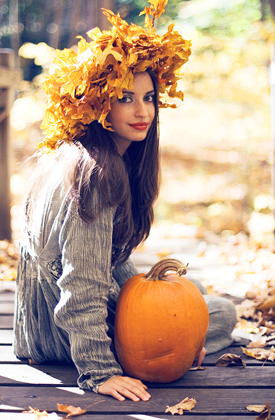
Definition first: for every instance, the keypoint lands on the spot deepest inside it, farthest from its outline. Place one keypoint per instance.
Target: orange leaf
(261, 354)
(39, 414)
(71, 410)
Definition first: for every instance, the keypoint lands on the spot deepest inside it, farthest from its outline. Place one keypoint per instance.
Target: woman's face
(132, 115)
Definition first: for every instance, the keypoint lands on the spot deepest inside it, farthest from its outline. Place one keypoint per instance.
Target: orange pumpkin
(161, 323)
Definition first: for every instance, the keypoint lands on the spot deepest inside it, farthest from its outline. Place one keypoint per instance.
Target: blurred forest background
(217, 151)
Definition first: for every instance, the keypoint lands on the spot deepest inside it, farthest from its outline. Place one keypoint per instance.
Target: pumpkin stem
(158, 271)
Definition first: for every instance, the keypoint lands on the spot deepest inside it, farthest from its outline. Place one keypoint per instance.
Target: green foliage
(130, 11)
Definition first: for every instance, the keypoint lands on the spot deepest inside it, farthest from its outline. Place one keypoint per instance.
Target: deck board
(212, 377)
(19, 416)
(6, 308)
(6, 322)
(219, 401)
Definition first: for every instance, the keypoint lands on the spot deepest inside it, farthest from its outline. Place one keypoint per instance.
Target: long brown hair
(129, 182)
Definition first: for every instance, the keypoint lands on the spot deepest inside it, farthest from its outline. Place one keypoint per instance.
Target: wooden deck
(221, 393)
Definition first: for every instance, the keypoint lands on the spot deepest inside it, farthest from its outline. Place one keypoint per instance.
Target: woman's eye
(149, 98)
(125, 99)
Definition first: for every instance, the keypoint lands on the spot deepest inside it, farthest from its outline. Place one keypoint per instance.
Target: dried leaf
(42, 414)
(228, 358)
(71, 410)
(39, 414)
(197, 368)
(260, 354)
(266, 414)
(267, 331)
(246, 309)
(256, 408)
(186, 404)
(268, 303)
(262, 342)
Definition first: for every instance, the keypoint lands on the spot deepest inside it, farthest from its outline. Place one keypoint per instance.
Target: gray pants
(222, 320)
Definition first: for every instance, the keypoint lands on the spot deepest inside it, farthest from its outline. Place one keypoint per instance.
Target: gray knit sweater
(67, 289)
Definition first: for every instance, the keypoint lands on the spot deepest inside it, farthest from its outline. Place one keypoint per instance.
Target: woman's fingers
(122, 386)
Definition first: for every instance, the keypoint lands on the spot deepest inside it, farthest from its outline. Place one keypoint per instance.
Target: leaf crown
(83, 84)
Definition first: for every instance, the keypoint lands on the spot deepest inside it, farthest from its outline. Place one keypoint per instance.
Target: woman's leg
(222, 321)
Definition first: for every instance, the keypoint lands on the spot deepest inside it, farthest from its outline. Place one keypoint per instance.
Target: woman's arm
(84, 287)
(123, 272)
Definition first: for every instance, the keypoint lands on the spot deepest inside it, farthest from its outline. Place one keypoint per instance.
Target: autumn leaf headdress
(84, 84)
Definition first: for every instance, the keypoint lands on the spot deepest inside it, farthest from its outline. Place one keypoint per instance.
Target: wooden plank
(209, 401)
(20, 416)
(6, 336)
(212, 377)
(7, 355)
(6, 322)
(6, 308)
(6, 296)
(39, 374)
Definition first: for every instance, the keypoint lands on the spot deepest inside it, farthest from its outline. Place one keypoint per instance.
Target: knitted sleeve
(84, 286)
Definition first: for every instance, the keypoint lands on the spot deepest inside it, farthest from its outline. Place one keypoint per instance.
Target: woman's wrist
(101, 382)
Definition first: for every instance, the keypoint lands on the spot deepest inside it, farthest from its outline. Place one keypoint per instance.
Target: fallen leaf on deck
(42, 414)
(256, 408)
(71, 410)
(197, 368)
(266, 414)
(246, 309)
(39, 414)
(228, 358)
(268, 303)
(262, 342)
(260, 354)
(186, 404)
(267, 331)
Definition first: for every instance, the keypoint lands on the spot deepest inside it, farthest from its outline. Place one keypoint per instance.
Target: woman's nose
(141, 109)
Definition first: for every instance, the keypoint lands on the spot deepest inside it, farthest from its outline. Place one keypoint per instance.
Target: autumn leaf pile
(84, 83)
(252, 263)
(256, 314)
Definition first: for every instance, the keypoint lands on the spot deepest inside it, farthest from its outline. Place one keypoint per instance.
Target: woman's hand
(198, 361)
(120, 387)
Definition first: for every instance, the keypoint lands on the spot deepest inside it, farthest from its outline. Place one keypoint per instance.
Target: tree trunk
(58, 16)
(6, 61)
(15, 37)
(95, 17)
(272, 85)
(272, 6)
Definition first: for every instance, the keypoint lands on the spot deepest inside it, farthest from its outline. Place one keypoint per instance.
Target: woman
(90, 203)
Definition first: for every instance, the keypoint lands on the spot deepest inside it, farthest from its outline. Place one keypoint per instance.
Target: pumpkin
(161, 323)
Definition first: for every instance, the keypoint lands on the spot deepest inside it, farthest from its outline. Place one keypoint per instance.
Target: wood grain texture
(218, 401)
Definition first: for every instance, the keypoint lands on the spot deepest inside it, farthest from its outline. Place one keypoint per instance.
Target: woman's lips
(139, 126)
